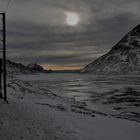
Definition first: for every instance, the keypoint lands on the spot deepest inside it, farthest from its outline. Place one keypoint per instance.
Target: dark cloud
(37, 31)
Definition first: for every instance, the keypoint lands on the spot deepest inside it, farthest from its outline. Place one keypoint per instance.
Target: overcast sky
(37, 30)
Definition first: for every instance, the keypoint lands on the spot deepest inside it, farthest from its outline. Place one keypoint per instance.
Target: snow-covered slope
(37, 111)
(124, 57)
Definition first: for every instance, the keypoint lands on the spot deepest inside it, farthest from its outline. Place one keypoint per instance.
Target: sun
(72, 19)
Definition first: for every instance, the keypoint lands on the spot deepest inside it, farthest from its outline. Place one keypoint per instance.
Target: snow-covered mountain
(124, 57)
(15, 68)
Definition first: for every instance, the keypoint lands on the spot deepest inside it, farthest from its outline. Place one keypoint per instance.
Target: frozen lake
(83, 86)
(114, 95)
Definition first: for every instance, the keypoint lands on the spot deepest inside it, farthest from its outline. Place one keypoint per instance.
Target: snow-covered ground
(71, 107)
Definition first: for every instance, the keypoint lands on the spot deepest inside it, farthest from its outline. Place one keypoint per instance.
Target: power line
(7, 5)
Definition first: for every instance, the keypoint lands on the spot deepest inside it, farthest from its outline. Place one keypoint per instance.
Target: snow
(42, 107)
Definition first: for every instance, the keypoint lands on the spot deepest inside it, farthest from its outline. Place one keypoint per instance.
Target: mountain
(36, 68)
(123, 58)
(15, 68)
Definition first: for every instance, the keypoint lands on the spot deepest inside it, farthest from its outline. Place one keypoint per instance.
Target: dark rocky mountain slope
(15, 68)
(123, 58)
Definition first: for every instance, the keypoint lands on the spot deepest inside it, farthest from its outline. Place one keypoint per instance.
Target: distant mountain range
(13, 67)
(123, 58)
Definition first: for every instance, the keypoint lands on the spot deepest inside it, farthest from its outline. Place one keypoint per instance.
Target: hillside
(15, 68)
(123, 58)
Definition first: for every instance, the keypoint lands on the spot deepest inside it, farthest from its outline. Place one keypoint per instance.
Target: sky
(37, 31)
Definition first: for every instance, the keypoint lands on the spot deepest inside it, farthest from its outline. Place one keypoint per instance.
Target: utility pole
(3, 30)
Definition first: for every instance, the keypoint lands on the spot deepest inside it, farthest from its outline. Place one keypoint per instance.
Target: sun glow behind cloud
(72, 19)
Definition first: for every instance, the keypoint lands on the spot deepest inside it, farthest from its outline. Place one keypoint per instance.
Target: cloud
(37, 31)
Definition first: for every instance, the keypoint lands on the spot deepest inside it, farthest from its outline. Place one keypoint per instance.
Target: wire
(7, 6)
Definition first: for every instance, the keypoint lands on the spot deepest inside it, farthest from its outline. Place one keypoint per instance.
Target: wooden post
(4, 59)
(4, 56)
